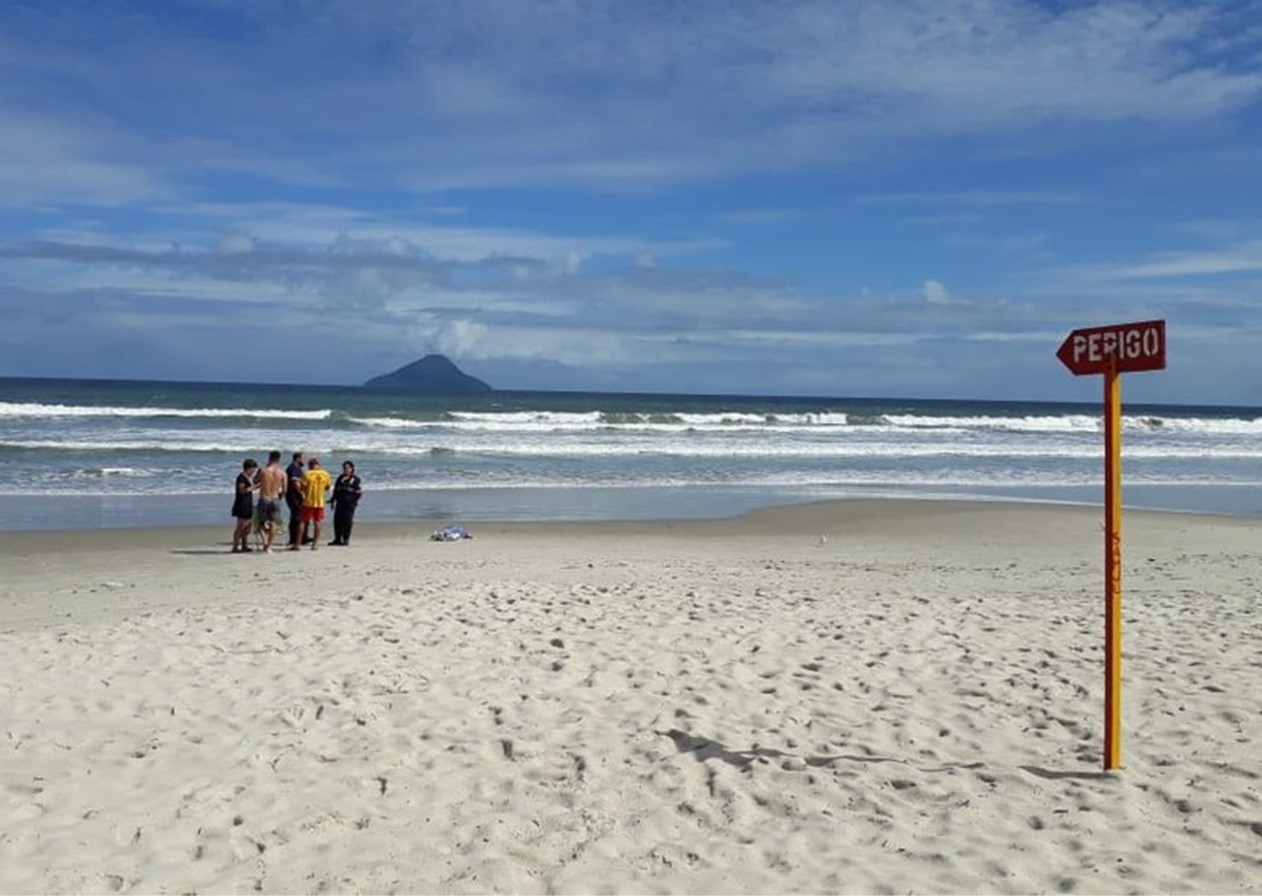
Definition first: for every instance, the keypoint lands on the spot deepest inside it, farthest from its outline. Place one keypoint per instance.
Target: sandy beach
(851, 697)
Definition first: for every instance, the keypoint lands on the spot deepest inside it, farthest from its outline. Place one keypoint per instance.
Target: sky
(841, 198)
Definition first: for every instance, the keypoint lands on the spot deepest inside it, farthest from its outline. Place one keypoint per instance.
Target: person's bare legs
(315, 539)
(241, 536)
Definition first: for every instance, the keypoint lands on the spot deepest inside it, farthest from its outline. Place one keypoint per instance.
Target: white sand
(911, 705)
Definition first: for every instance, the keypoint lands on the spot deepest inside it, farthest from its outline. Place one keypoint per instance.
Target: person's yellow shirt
(314, 485)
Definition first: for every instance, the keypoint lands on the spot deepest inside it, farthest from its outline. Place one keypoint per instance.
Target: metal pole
(1112, 569)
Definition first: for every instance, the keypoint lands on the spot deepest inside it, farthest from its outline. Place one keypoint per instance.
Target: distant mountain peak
(432, 373)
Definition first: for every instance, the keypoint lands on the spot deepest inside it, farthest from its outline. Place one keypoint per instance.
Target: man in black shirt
(293, 500)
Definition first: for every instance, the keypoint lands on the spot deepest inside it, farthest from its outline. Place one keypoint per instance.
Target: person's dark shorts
(270, 510)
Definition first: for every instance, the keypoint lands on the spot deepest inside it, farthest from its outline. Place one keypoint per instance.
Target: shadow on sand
(704, 749)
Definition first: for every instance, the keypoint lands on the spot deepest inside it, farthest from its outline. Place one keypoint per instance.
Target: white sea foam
(680, 448)
(527, 417)
(392, 422)
(104, 444)
(552, 421)
(1016, 480)
(724, 421)
(33, 411)
(103, 472)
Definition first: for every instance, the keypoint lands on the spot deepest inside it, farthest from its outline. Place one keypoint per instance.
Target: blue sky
(915, 199)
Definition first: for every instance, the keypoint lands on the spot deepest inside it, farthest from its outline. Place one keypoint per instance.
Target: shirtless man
(272, 485)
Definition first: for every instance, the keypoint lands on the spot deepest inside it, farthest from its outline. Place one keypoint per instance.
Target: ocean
(91, 454)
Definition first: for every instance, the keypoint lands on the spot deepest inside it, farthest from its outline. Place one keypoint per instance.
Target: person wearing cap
(316, 483)
(243, 506)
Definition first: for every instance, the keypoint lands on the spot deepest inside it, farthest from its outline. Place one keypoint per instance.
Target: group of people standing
(303, 491)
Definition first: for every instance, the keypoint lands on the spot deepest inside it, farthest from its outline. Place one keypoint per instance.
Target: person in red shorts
(316, 483)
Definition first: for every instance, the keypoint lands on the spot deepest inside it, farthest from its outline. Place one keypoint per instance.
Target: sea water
(96, 454)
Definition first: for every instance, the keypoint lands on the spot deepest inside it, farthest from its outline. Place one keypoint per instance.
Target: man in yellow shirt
(315, 487)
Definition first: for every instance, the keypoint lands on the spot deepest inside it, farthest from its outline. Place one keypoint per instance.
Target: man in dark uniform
(293, 500)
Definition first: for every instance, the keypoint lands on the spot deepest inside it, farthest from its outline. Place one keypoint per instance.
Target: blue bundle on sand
(450, 533)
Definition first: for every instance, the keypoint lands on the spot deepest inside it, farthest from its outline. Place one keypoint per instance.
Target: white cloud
(461, 339)
(1169, 276)
(234, 242)
(976, 198)
(49, 159)
(761, 216)
(935, 293)
(488, 93)
(1240, 258)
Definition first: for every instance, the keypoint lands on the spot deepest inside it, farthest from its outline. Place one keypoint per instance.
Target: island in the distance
(433, 373)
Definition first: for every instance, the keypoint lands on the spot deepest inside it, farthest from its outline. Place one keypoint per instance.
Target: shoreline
(855, 696)
(488, 506)
(756, 511)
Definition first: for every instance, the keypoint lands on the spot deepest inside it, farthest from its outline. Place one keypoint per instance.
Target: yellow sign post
(1112, 351)
(1112, 569)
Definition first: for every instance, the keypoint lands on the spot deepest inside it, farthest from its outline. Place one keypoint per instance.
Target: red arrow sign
(1131, 347)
